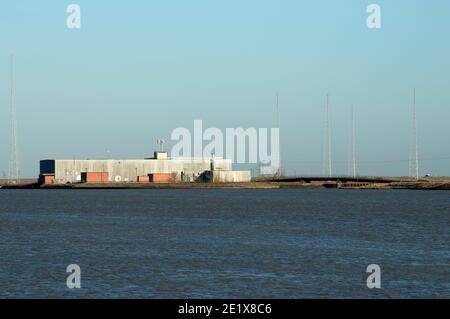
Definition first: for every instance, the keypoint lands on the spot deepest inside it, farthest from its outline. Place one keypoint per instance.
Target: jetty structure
(158, 169)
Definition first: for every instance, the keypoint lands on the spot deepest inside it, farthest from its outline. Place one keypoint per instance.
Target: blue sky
(138, 69)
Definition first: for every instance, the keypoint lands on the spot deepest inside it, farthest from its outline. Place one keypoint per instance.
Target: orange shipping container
(94, 177)
(143, 179)
(163, 178)
(46, 179)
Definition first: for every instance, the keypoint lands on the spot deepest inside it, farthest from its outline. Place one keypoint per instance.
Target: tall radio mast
(13, 176)
(279, 170)
(353, 142)
(416, 142)
(327, 141)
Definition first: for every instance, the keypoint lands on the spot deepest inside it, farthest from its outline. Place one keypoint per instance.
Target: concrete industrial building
(123, 171)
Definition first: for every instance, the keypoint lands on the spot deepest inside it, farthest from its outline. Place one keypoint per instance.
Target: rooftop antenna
(160, 142)
(416, 142)
(13, 176)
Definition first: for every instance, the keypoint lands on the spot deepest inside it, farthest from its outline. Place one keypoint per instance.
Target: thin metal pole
(279, 172)
(13, 176)
(416, 142)
(328, 128)
(354, 142)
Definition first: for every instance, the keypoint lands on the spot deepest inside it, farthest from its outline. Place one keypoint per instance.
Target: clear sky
(138, 69)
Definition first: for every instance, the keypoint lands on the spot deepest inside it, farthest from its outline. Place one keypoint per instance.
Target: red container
(143, 179)
(94, 177)
(163, 178)
(46, 179)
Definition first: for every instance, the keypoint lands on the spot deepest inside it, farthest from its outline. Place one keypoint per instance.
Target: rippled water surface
(224, 243)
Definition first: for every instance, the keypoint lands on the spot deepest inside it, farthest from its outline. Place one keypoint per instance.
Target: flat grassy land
(429, 183)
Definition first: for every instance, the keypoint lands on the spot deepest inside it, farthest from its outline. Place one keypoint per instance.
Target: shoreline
(416, 185)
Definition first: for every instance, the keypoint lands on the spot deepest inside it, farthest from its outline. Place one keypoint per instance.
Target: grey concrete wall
(231, 176)
(128, 170)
